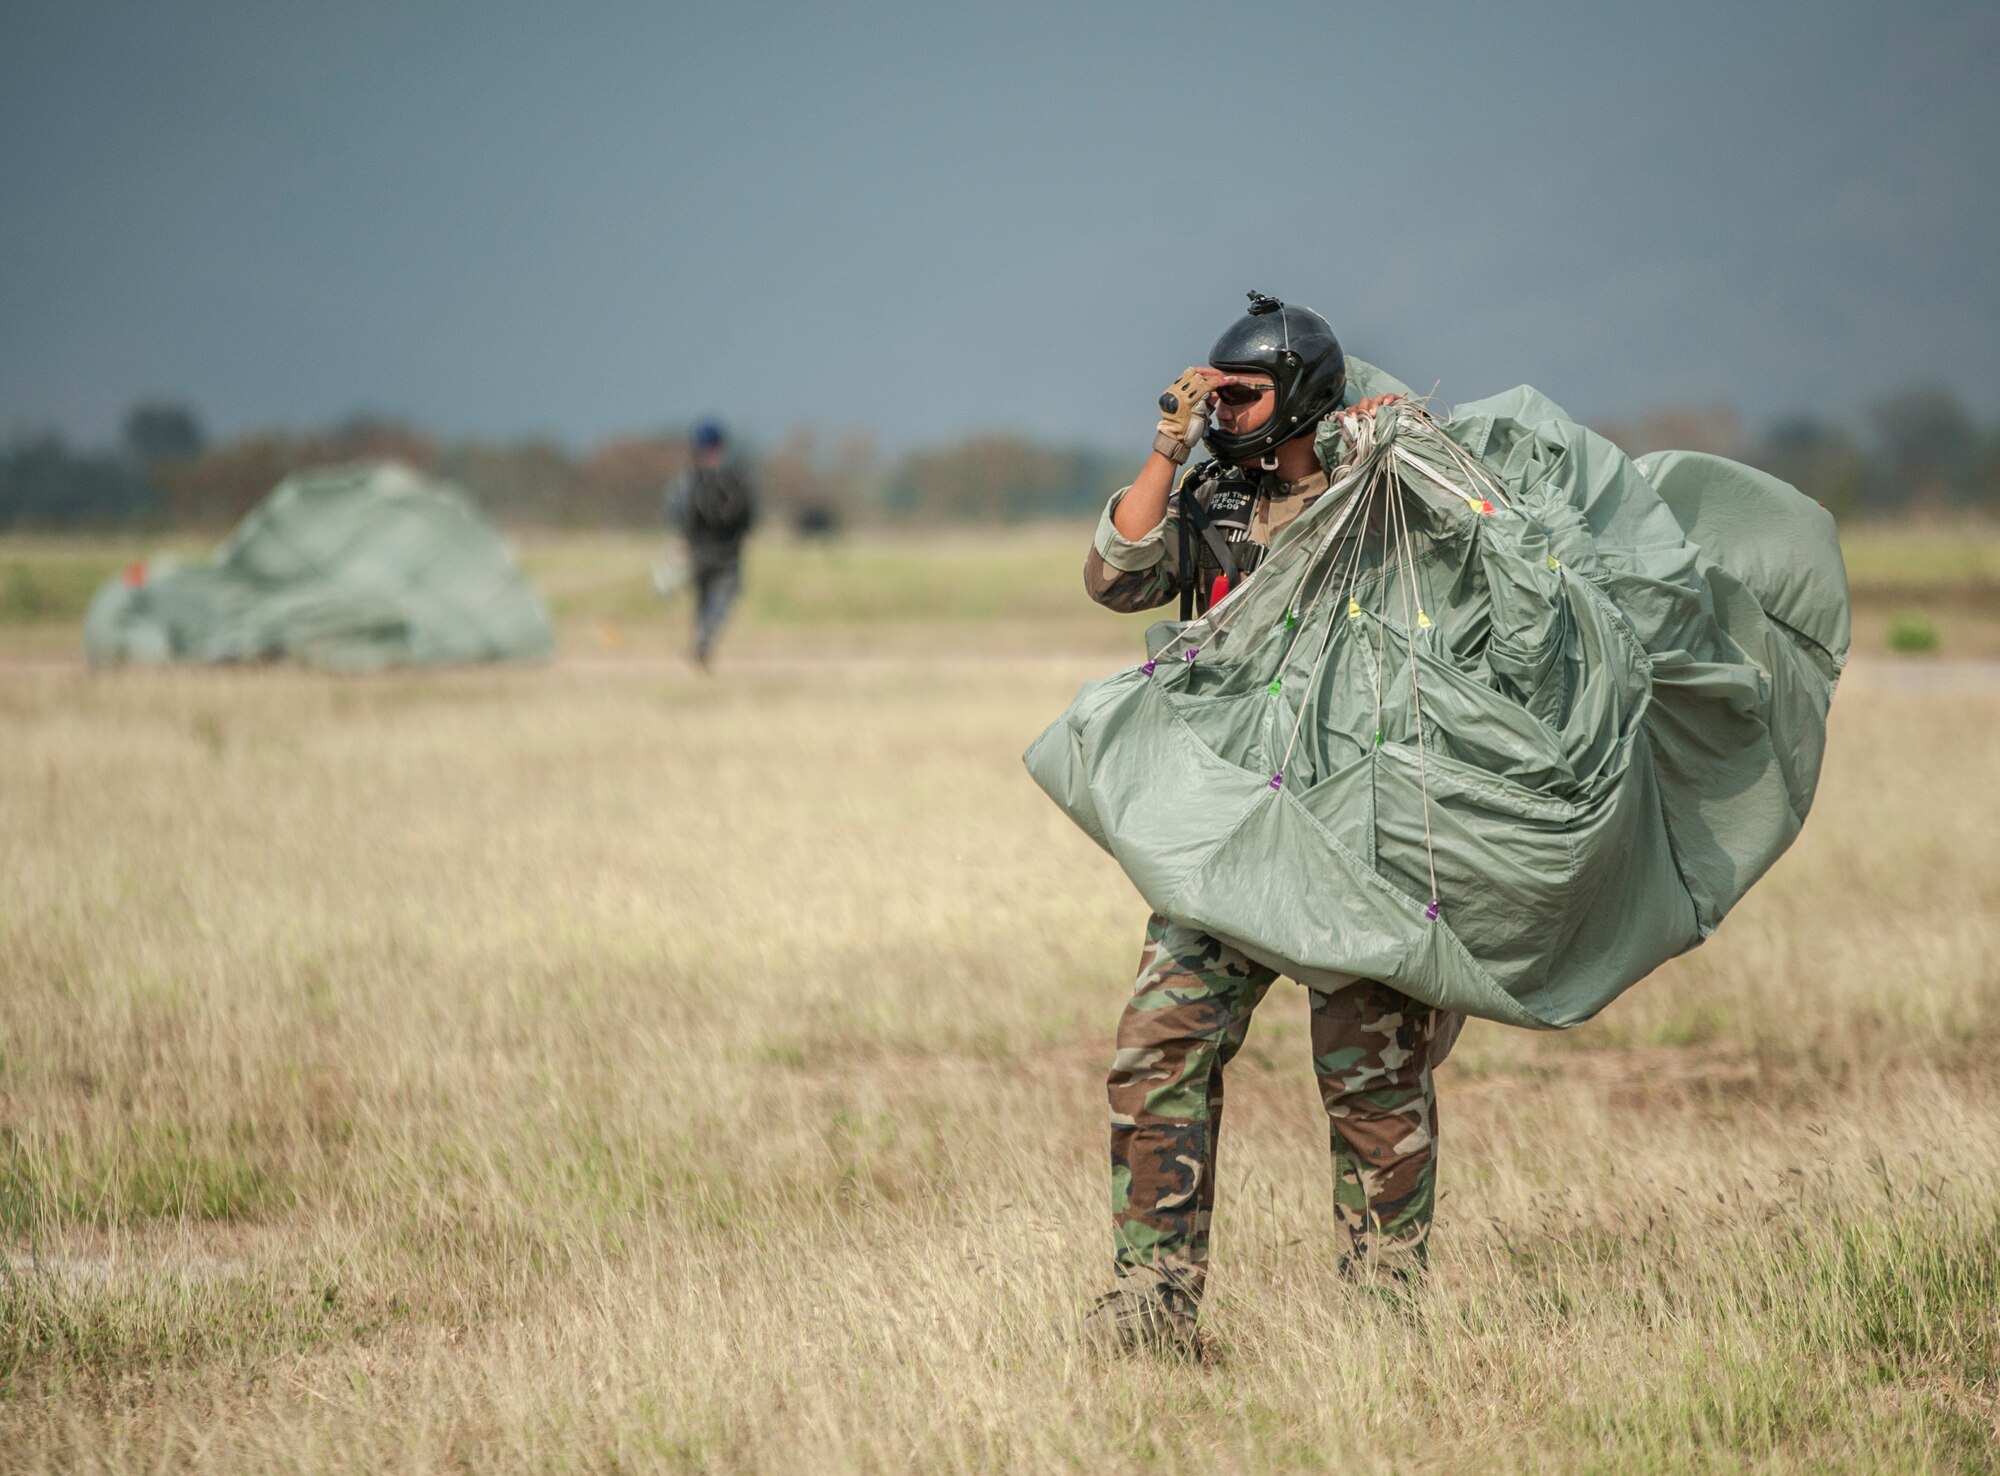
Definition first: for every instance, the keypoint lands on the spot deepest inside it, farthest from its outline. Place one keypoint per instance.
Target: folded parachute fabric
(353, 568)
(1504, 720)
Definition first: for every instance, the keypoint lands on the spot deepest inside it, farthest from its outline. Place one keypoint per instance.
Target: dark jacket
(715, 508)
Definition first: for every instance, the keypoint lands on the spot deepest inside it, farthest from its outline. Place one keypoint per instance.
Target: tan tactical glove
(1184, 420)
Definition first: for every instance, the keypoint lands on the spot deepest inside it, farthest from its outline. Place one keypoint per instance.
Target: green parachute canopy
(352, 567)
(1505, 719)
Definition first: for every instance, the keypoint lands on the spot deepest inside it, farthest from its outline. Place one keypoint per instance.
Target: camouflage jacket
(1137, 574)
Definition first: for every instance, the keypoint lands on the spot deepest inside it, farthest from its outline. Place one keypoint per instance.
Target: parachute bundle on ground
(1505, 719)
(352, 567)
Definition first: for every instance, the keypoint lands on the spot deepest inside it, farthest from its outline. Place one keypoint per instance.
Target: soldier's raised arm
(1127, 567)
(1127, 574)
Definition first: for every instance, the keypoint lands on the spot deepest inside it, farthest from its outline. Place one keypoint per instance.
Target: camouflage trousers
(1373, 1050)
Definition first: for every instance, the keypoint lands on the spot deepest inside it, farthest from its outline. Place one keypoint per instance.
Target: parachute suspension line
(1403, 541)
(1362, 473)
(1321, 563)
(1342, 599)
(1337, 584)
(1343, 595)
(1478, 470)
(1466, 461)
(1429, 473)
(1365, 469)
(1371, 642)
(1377, 641)
(1218, 615)
(1371, 639)
(1381, 484)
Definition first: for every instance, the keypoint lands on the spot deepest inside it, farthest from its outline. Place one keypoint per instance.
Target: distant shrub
(1912, 634)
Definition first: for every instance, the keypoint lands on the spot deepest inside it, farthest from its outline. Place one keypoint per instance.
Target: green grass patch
(1912, 635)
(1919, 1292)
(150, 1173)
(47, 581)
(1686, 1028)
(38, 590)
(59, 1320)
(955, 578)
(1885, 556)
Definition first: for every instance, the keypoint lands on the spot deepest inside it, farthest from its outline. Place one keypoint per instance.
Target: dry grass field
(600, 1067)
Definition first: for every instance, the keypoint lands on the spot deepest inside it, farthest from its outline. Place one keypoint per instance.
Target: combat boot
(1144, 1317)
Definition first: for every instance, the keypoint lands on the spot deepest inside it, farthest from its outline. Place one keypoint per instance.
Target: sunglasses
(1242, 394)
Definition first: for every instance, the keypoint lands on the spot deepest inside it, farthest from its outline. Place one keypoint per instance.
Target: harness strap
(1194, 518)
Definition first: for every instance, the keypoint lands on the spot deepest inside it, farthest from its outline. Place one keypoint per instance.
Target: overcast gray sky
(510, 217)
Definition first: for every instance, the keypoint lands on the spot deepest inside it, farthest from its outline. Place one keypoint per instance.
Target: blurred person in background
(714, 506)
(1272, 378)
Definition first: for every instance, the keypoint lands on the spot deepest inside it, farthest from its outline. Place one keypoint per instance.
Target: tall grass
(600, 1068)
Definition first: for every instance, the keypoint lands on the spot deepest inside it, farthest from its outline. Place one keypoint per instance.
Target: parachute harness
(1374, 478)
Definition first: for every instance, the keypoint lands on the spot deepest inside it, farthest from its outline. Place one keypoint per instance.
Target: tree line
(1917, 451)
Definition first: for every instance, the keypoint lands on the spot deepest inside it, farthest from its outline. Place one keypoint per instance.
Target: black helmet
(1296, 347)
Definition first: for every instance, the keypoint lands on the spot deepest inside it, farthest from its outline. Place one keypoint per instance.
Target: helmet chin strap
(1268, 461)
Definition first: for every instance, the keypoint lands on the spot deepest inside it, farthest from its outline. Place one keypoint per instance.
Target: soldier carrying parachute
(1466, 715)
